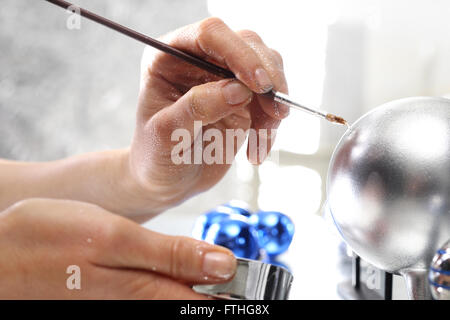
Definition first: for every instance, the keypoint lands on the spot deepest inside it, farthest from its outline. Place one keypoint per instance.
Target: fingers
(116, 257)
(112, 241)
(265, 113)
(213, 39)
(245, 54)
(206, 103)
(273, 63)
(257, 66)
(134, 247)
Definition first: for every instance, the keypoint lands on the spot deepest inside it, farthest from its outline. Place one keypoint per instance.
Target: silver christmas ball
(388, 186)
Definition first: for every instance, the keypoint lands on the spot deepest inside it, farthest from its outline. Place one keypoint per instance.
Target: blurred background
(65, 92)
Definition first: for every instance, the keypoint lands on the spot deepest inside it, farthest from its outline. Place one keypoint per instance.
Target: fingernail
(219, 265)
(235, 92)
(263, 79)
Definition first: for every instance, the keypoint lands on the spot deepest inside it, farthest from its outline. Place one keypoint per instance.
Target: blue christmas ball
(236, 235)
(240, 207)
(275, 231)
(204, 222)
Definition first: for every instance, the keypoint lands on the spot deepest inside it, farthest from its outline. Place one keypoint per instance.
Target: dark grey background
(64, 92)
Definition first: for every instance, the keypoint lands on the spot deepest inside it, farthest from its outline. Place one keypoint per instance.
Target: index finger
(212, 39)
(273, 63)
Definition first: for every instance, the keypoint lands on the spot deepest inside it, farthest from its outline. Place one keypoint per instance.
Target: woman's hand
(145, 180)
(175, 94)
(117, 259)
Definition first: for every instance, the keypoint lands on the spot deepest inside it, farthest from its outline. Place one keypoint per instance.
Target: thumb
(180, 258)
(207, 103)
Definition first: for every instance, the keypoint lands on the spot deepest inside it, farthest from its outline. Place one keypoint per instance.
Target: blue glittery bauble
(203, 222)
(236, 235)
(240, 207)
(275, 231)
(224, 211)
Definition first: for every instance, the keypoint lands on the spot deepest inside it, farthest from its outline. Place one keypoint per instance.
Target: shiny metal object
(388, 187)
(439, 275)
(254, 280)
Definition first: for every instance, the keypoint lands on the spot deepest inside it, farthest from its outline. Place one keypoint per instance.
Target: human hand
(174, 94)
(144, 180)
(117, 258)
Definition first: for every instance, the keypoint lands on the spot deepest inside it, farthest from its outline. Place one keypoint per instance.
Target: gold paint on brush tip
(336, 119)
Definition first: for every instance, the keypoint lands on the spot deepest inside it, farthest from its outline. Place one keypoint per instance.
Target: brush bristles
(336, 119)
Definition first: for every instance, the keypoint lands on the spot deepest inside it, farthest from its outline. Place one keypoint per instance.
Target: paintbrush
(205, 65)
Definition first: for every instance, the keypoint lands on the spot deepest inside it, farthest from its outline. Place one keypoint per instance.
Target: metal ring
(254, 280)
